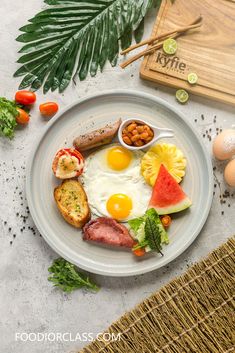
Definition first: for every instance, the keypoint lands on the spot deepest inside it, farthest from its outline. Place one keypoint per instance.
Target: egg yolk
(118, 158)
(119, 206)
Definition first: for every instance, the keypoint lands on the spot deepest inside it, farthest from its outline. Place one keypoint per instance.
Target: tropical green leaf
(139, 32)
(72, 38)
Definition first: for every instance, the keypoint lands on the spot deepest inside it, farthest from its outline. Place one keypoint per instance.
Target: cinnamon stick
(144, 52)
(158, 45)
(163, 35)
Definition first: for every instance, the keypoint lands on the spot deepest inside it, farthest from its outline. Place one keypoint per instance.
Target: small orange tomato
(49, 108)
(139, 252)
(23, 117)
(25, 97)
(166, 221)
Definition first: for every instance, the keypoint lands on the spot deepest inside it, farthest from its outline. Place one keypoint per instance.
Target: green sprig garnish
(67, 278)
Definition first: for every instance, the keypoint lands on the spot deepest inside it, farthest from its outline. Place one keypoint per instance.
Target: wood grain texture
(208, 51)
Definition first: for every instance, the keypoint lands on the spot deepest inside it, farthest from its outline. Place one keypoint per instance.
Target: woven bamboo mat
(193, 313)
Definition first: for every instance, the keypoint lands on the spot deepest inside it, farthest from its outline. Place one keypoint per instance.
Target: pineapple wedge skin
(167, 154)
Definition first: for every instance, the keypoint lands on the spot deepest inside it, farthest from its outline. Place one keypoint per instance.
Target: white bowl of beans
(137, 134)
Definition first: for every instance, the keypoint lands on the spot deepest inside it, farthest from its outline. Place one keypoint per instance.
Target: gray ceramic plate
(93, 112)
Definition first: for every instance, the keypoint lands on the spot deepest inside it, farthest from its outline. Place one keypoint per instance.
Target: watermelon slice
(168, 196)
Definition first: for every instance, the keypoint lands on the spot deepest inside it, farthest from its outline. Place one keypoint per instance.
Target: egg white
(100, 182)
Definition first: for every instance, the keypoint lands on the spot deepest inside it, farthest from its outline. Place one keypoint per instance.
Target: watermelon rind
(179, 206)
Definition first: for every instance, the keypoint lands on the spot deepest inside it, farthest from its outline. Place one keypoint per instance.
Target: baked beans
(137, 134)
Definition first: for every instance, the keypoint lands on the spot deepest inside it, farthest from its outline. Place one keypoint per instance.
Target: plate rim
(116, 92)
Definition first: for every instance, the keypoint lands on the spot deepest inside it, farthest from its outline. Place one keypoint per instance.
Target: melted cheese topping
(68, 166)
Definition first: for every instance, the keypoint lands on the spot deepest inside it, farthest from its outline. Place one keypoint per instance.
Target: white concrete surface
(28, 302)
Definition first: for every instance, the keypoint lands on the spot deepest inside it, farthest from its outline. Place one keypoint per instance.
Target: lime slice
(182, 96)
(192, 78)
(170, 46)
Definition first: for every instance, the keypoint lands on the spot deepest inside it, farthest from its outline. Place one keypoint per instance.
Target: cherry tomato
(65, 166)
(23, 117)
(166, 221)
(49, 108)
(25, 97)
(139, 252)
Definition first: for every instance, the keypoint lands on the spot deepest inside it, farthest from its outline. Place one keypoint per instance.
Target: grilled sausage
(99, 137)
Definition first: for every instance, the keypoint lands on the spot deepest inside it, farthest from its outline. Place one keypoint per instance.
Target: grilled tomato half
(68, 163)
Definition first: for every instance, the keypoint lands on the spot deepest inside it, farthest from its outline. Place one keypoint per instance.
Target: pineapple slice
(168, 155)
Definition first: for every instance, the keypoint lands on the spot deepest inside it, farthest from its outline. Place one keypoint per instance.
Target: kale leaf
(8, 114)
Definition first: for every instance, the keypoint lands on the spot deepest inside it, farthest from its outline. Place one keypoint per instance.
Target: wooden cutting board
(208, 51)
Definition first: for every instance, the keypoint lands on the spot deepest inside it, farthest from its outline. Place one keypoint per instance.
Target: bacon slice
(107, 231)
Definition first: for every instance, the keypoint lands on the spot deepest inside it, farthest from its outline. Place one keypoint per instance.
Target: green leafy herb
(8, 114)
(153, 234)
(149, 231)
(66, 277)
(136, 223)
(74, 37)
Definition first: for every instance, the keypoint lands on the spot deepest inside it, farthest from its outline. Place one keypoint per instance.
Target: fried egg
(114, 185)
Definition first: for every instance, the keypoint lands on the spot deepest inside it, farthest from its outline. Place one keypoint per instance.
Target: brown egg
(224, 145)
(229, 173)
